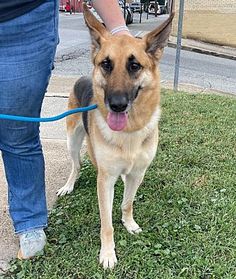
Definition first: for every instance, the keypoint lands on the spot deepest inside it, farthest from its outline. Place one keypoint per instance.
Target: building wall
(208, 21)
(224, 6)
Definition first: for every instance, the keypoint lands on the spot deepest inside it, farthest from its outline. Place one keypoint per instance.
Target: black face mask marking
(107, 66)
(133, 66)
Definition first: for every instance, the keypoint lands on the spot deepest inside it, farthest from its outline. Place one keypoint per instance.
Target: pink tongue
(117, 120)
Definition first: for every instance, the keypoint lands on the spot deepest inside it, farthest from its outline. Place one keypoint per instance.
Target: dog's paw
(108, 258)
(67, 189)
(131, 226)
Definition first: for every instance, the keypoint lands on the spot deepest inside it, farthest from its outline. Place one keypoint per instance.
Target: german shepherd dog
(122, 133)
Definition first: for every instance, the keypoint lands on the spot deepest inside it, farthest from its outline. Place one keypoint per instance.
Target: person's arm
(110, 13)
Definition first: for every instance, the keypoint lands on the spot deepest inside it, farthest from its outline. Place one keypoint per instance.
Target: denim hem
(30, 229)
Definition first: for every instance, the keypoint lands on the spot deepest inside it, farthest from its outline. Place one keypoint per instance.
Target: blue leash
(47, 119)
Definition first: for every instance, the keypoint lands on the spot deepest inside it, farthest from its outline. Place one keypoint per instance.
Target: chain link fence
(209, 21)
(222, 6)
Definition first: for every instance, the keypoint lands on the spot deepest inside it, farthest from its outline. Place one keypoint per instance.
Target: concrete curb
(204, 48)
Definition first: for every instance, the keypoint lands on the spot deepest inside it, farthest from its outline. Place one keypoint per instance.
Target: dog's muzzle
(118, 103)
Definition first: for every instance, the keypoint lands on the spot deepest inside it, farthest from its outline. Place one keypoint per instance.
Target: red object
(68, 8)
(73, 5)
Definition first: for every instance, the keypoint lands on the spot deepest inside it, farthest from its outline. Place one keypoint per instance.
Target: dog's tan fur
(129, 152)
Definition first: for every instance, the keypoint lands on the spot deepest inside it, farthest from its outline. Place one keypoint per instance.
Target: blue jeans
(27, 49)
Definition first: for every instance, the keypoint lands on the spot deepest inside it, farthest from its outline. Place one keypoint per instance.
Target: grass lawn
(186, 206)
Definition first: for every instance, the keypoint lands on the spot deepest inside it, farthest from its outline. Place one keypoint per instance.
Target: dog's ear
(158, 38)
(97, 30)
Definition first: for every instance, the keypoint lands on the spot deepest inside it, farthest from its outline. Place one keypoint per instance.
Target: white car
(136, 7)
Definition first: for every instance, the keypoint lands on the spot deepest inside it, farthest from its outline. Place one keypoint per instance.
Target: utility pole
(124, 3)
(156, 8)
(178, 47)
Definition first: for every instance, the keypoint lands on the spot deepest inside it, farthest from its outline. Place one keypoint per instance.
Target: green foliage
(186, 206)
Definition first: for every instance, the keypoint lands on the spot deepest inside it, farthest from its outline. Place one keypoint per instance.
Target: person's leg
(22, 156)
(27, 49)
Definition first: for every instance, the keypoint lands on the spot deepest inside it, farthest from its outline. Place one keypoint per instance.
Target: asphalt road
(207, 72)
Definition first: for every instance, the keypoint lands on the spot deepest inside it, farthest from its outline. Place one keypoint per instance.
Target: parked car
(162, 7)
(153, 7)
(128, 13)
(129, 16)
(136, 7)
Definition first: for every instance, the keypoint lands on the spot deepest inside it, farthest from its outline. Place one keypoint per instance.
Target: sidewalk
(54, 143)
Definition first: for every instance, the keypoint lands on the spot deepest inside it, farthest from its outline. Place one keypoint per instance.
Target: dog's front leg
(105, 190)
(132, 182)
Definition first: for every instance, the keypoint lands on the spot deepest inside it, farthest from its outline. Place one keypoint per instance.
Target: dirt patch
(208, 26)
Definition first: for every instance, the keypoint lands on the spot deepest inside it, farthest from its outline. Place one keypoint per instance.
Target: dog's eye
(134, 67)
(107, 65)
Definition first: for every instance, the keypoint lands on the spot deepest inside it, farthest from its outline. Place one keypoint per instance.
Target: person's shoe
(31, 243)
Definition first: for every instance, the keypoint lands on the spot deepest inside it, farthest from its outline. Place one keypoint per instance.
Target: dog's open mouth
(117, 120)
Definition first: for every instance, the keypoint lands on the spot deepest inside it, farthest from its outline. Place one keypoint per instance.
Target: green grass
(186, 206)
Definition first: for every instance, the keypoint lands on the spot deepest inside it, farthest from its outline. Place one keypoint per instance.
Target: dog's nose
(118, 103)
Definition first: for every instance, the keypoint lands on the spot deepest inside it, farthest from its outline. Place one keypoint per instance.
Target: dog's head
(126, 76)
